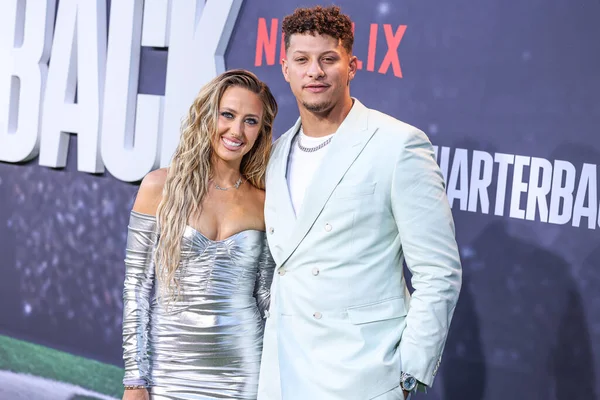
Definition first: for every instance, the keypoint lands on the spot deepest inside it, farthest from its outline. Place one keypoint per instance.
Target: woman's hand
(136, 394)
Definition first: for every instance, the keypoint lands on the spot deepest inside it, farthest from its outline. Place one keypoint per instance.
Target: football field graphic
(31, 371)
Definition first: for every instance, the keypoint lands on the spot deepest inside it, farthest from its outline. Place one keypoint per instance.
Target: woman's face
(238, 125)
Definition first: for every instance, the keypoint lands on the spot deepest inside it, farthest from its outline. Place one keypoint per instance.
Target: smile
(230, 144)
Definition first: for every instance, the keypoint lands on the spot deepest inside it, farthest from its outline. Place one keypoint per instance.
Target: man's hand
(138, 394)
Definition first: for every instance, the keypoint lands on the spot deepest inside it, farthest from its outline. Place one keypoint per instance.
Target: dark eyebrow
(232, 111)
(328, 52)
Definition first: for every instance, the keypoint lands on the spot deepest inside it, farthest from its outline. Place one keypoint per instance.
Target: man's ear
(353, 67)
(284, 69)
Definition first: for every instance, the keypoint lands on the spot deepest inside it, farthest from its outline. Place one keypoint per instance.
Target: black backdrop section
(502, 77)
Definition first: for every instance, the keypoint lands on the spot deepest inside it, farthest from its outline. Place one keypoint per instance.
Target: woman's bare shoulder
(150, 192)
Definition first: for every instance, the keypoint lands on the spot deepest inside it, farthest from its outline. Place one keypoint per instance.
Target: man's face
(319, 71)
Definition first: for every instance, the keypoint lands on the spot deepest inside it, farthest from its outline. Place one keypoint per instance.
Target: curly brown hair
(319, 20)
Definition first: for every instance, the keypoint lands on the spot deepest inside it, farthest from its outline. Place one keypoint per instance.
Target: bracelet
(134, 387)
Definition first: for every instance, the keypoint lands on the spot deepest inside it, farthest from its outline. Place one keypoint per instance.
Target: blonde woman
(196, 236)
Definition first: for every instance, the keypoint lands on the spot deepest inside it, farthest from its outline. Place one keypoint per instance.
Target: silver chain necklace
(235, 185)
(311, 149)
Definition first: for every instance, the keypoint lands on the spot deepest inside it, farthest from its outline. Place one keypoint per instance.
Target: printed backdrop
(508, 94)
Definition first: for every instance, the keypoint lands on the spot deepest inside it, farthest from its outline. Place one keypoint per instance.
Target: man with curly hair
(351, 194)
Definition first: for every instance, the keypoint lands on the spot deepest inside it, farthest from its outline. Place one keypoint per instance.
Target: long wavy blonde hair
(190, 170)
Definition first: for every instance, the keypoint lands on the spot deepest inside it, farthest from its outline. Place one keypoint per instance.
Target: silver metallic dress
(207, 344)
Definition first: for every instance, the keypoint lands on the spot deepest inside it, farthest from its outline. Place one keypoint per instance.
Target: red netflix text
(268, 41)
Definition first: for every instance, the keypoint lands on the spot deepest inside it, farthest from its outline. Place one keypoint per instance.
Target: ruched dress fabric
(207, 343)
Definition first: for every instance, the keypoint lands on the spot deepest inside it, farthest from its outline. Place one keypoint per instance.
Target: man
(351, 194)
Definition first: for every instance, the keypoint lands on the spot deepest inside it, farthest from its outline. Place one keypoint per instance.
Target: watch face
(409, 383)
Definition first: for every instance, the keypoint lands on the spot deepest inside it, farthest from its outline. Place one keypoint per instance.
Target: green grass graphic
(33, 359)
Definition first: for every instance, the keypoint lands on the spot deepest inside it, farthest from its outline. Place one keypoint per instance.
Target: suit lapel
(348, 142)
(285, 209)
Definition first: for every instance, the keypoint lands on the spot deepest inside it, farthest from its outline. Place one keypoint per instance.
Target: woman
(196, 234)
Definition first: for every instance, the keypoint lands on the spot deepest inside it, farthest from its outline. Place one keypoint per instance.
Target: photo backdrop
(506, 91)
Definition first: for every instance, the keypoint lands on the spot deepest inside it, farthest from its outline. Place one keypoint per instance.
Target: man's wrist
(410, 384)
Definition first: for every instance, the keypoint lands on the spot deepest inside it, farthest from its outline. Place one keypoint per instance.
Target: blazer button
(328, 227)
(281, 271)
(315, 271)
(271, 230)
(317, 315)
